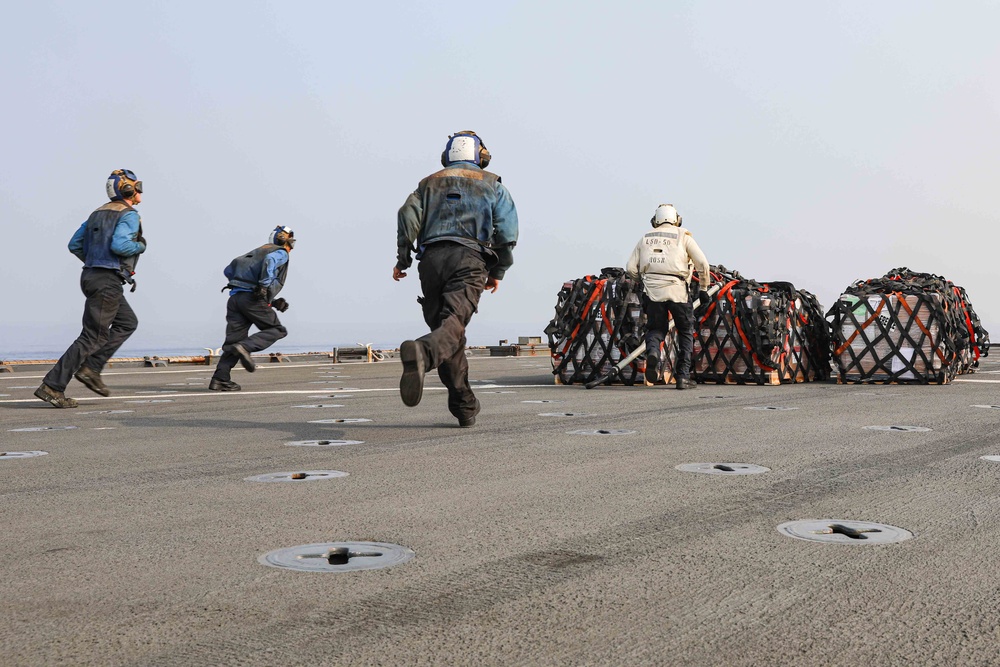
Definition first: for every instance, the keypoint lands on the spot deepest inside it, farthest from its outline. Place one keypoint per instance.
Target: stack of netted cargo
(756, 333)
(906, 327)
(597, 324)
(762, 333)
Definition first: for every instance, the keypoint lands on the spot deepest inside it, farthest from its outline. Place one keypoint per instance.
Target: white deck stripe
(208, 394)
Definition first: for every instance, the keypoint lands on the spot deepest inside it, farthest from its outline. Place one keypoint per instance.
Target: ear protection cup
(483, 158)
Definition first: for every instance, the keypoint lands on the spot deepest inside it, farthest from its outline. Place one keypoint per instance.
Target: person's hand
(397, 274)
(261, 293)
(703, 298)
(492, 284)
(280, 304)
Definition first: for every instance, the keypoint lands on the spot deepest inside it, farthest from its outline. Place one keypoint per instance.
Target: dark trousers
(243, 311)
(452, 278)
(108, 321)
(656, 330)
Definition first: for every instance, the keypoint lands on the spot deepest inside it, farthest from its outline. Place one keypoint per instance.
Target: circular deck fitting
(898, 429)
(344, 420)
(319, 405)
(565, 414)
(334, 396)
(338, 556)
(723, 468)
(601, 431)
(991, 457)
(544, 400)
(33, 429)
(184, 384)
(324, 443)
(844, 532)
(21, 455)
(880, 394)
(153, 400)
(301, 476)
(715, 397)
(769, 407)
(988, 407)
(498, 392)
(106, 412)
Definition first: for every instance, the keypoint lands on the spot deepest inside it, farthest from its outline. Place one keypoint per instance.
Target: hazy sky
(814, 142)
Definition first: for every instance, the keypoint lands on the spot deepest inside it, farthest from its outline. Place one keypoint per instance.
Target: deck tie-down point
(847, 531)
(341, 555)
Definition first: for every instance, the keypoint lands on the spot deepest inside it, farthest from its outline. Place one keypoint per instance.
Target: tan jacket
(663, 259)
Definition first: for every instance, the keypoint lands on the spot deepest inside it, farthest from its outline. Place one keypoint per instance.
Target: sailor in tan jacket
(662, 260)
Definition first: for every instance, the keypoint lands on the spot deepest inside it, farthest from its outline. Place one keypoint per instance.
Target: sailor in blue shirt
(108, 243)
(254, 281)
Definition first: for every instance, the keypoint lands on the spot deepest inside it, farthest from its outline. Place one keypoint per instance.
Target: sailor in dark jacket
(108, 243)
(463, 223)
(254, 281)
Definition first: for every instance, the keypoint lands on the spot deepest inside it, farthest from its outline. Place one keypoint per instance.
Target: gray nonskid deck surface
(135, 540)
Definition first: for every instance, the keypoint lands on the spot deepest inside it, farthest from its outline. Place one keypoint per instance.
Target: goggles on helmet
(130, 175)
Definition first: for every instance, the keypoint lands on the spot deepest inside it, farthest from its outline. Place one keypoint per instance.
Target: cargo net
(754, 333)
(761, 333)
(906, 327)
(597, 324)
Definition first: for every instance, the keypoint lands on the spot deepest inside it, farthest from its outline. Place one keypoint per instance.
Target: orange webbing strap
(864, 326)
(743, 336)
(968, 324)
(721, 294)
(906, 307)
(598, 289)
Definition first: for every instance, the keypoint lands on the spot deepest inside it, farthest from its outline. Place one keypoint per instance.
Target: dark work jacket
(464, 204)
(248, 271)
(100, 229)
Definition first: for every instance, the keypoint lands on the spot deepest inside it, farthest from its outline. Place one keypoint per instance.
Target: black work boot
(92, 380)
(652, 368)
(411, 384)
(469, 420)
(686, 383)
(56, 398)
(223, 385)
(245, 359)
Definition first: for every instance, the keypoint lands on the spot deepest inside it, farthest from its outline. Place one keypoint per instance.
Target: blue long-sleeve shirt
(123, 241)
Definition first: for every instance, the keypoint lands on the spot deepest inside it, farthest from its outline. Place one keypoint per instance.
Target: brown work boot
(92, 380)
(411, 383)
(56, 398)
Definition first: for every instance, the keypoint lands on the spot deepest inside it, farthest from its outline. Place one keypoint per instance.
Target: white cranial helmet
(665, 214)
